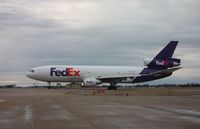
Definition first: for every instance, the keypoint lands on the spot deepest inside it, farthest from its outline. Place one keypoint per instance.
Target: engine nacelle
(91, 82)
(166, 63)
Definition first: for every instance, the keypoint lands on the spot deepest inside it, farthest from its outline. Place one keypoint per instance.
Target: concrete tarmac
(60, 109)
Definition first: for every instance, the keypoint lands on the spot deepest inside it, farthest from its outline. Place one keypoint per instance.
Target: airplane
(161, 66)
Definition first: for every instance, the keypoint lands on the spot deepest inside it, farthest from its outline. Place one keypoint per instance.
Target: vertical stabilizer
(164, 58)
(168, 51)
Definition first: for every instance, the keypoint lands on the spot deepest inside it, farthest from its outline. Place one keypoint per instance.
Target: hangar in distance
(161, 66)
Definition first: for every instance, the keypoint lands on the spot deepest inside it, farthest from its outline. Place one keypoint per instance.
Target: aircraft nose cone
(28, 74)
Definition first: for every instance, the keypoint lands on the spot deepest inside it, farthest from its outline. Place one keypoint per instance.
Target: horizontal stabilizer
(164, 71)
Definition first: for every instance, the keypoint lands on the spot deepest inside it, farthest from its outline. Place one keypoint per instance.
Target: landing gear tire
(49, 85)
(112, 85)
(112, 88)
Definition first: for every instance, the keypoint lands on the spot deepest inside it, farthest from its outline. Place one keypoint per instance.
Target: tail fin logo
(162, 63)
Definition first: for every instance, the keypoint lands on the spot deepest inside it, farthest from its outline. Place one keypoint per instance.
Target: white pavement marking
(2, 100)
(187, 114)
(28, 115)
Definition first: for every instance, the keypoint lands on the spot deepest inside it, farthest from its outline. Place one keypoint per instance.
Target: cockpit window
(31, 70)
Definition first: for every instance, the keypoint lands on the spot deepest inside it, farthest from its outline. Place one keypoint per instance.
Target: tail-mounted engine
(164, 63)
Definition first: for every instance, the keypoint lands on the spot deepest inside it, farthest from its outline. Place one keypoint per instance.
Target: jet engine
(165, 63)
(91, 82)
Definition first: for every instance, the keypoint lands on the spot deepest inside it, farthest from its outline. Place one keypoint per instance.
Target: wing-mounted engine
(91, 82)
(164, 63)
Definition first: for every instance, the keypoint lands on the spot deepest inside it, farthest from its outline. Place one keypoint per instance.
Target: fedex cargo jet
(161, 66)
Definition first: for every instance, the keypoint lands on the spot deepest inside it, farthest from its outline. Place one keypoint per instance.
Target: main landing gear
(112, 86)
(49, 85)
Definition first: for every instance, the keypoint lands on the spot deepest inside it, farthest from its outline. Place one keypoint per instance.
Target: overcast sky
(97, 32)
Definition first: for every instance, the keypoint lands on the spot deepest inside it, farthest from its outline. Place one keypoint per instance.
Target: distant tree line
(170, 85)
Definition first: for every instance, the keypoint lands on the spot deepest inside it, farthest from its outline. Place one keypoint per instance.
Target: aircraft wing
(118, 79)
(129, 78)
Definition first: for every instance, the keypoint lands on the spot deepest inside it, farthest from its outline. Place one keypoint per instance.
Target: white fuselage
(64, 73)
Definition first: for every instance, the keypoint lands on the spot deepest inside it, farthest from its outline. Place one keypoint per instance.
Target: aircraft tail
(164, 58)
(168, 51)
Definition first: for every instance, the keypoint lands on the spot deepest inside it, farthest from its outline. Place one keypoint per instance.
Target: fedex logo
(66, 72)
(162, 63)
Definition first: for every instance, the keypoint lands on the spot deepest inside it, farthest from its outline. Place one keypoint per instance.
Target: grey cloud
(108, 33)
